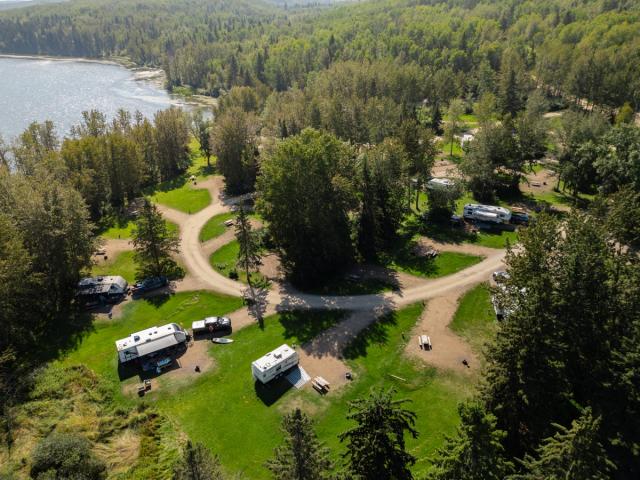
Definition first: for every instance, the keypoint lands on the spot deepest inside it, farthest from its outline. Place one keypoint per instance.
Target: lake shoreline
(151, 75)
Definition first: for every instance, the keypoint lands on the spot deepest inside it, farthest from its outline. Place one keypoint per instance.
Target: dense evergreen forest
(587, 49)
(335, 117)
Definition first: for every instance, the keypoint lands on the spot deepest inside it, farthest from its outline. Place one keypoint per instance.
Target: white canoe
(222, 340)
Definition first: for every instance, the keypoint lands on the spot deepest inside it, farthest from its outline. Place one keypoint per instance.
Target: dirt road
(323, 354)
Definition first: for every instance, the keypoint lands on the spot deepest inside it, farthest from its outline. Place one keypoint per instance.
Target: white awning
(156, 345)
(486, 216)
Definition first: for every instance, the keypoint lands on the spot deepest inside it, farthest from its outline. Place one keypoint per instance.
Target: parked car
(148, 284)
(500, 276)
(211, 324)
(520, 218)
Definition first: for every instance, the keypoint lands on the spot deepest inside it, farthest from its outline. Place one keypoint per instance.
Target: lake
(37, 89)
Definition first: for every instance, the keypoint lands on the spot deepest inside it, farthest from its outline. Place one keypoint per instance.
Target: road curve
(284, 298)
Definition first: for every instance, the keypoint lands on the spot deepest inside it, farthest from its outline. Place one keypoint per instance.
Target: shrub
(68, 456)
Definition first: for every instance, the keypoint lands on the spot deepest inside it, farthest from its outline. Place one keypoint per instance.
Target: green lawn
(374, 357)
(475, 319)
(224, 260)
(123, 229)
(180, 194)
(215, 226)
(97, 349)
(122, 264)
(199, 166)
(445, 148)
(446, 263)
(238, 419)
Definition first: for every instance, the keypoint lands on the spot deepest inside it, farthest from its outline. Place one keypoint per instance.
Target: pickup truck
(211, 324)
(148, 284)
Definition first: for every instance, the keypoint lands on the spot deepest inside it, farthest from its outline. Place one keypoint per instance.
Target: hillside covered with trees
(586, 50)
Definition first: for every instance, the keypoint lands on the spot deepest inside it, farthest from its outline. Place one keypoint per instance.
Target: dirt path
(448, 348)
(113, 247)
(468, 248)
(323, 355)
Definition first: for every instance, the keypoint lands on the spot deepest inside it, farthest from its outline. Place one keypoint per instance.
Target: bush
(233, 274)
(68, 456)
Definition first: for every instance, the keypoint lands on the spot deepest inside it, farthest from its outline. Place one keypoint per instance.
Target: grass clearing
(199, 166)
(446, 263)
(239, 420)
(97, 349)
(180, 194)
(445, 149)
(122, 264)
(378, 353)
(475, 319)
(224, 261)
(124, 229)
(215, 226)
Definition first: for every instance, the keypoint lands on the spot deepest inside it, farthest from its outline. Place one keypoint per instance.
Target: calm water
(60, 90)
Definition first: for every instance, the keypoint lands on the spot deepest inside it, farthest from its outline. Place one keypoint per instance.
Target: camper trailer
(150, 341)
(440, 183)
(274, 363)
(101, 290)
(486, 213)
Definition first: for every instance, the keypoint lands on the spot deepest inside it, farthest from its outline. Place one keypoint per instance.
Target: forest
(584, 50)
(333, 117)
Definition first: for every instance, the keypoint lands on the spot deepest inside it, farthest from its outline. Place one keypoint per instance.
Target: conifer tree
(154, 244)
(571, 454)
(302, 456)
(376, 448)
(475, 452)
(249, 253)
(197, 463)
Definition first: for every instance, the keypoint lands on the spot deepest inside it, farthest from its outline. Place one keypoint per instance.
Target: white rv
(486, 213)
(151, 340)
(274, 364)
(440, 183)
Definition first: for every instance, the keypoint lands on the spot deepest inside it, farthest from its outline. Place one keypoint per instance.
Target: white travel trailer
(486, 213)
(442, 183)
(274, 363)
(466, 138)
(151, 340)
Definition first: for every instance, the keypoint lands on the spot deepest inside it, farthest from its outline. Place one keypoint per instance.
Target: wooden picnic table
(425, 342)
(322, 382)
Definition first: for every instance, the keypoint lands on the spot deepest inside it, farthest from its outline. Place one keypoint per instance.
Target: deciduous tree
(305, 194)
(234, 143)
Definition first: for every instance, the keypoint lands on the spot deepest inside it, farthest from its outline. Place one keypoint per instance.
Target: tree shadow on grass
(168, 185)
(204, 170)
(158, 299)
(376, 333)
(271, 392)
(364, 279)
(65, 337)
(304, 325)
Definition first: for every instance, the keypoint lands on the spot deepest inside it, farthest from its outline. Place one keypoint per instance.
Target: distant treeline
(587, 50)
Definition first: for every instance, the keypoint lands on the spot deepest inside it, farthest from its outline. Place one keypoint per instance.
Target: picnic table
(424, 341)
(320, 385)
